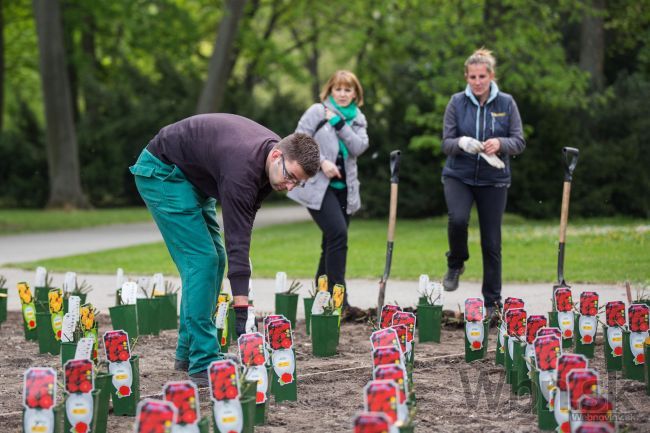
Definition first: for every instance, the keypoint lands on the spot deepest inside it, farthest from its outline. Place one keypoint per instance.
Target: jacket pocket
(180, 196)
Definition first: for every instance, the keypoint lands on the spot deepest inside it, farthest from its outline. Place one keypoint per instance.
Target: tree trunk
(221, 62)
(592, 43)
(62, 151)
(2, 65)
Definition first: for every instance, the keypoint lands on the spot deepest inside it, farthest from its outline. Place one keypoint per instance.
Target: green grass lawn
(603, 250)
(37, 220)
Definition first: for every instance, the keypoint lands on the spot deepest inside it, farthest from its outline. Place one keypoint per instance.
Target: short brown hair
(303, 149)
(346, 78)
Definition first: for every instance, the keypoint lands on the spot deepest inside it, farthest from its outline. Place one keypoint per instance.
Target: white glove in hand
(470, 145)
(493, 160)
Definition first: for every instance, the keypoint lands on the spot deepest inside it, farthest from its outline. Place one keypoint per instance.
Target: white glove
(470, 145)
(493, 160)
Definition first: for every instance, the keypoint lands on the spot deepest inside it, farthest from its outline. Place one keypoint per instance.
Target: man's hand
(241, 317)
(470, 145)
(493, 160)
(330, 169)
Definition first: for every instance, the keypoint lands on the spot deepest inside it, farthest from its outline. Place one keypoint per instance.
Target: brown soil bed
(452, 396)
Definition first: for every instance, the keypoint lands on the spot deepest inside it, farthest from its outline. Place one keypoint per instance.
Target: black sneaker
(492, 314)
(200, 379)
(450, 282)
(180, 365)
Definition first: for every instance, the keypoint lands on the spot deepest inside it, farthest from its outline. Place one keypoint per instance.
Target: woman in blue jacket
(482, 128)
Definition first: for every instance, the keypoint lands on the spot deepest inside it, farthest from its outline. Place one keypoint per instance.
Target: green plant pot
(287, 305)
(232, 333)
(223, 344)
(249, 406)
(148, 316)
(3, 304)
(499, 357)
(646, 350)
(47, 342)
(545, 417)
(521, 384)
(41, 300)
(68, 350)
(473, 355)
(630, 369)
(30, 334)
(612, 363)
(103, 385)
(126, 406)
(407, 429)
(324, 335)
(204, 425)
(82, 300)
(553, 323)
(125, 317)
(308, 303)
(580, 348)
(287, 392)
(429, 319)
(168, 311)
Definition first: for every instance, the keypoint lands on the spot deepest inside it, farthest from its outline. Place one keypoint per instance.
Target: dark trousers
(333, 221)
(490, 204)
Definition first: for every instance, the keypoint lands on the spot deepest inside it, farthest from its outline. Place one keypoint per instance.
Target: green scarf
(349, 113)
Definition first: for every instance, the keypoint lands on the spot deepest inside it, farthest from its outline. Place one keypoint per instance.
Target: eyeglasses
(290, 178)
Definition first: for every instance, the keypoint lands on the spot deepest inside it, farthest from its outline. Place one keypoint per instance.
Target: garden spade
(392, 216)
(570, 161)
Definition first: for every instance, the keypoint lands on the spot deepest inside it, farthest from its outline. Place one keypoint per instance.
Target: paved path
(362, 293)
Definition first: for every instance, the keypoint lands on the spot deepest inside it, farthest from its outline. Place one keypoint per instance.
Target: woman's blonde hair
(345, 78)
(482, 57)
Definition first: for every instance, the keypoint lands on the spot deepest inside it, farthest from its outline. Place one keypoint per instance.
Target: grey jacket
(354, 136)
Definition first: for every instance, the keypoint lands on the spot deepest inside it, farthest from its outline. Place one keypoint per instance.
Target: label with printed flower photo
(371, 422)
(251, 349)
(185, 397)
(382, 396)
(589, 303)
(562, 299)
(565, 363)
(615, 313)
(27, 305)
(384, 337)
(581, 382)
(155, 416)
(387, 311)
(407, 319)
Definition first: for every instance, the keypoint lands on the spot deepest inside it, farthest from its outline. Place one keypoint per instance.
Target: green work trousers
(187, 220)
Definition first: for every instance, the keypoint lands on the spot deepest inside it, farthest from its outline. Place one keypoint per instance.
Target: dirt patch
(451, 395)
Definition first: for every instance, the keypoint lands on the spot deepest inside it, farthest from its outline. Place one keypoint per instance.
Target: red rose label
(615, 313)
(563, 300)
(116, 346)
(386, 355)
(474, 310)
(512, 303)
(155, 416)
(581, 382)
(185, 398)
(381, 396)
(565, 364)
(596, 408)
(384, 337)
(39, 388)
(79, 375)
(407, 319)
(371, 422)
(279, 334)
(589, 303)
(533, 324)
(395, 373)
(251, 349)
(387, 312)
(638, 317)
(516, 322)
(224, 379)
(401, 336)
(547, 351)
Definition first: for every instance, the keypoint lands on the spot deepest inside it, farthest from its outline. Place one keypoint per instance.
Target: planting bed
(451, 395)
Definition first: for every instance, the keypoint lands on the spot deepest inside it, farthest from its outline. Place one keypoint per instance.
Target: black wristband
(340, 124)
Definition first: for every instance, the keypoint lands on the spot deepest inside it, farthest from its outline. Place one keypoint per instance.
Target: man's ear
(275, 154)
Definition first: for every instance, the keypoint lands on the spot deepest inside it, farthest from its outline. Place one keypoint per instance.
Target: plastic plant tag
(397, 374)
(251, 323)
(564, 307)
(615, 313)
(637, 316)
(143, 287)
(224, 392)
(155, 416)
(282, 357)
(382, 396)
(40, 280)
(119, 278)
(79, 402)
(39, 393)
(387, 312)
(581, 382)
(251, 349)
(589, 303)
(373, 422)
(407, 319)
(436, 293)
(118, 354)
(401, 337)
(27, 305)
(280, 282)
(67, 329)
(516, 323)
(260, 375)
(338, 294)
(474, 328)
(55, 301)
(157, 285)
(548, 349)
(533, 324)
(320, 302)
(74, 304)
(508, 304)
(384, 337)
(265, 324)
(84, 348)
(423, 285)
(323, 284)
(597, 409)
(221, 315)
(185, 397)
(511, 303)
(565, 363)
(387, 355)
(89, 325)
(69, 282)
(474, 310)
(129, 293)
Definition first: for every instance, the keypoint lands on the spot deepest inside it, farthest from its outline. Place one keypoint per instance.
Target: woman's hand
(328, 114)
(330, 170)
(491, 146)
